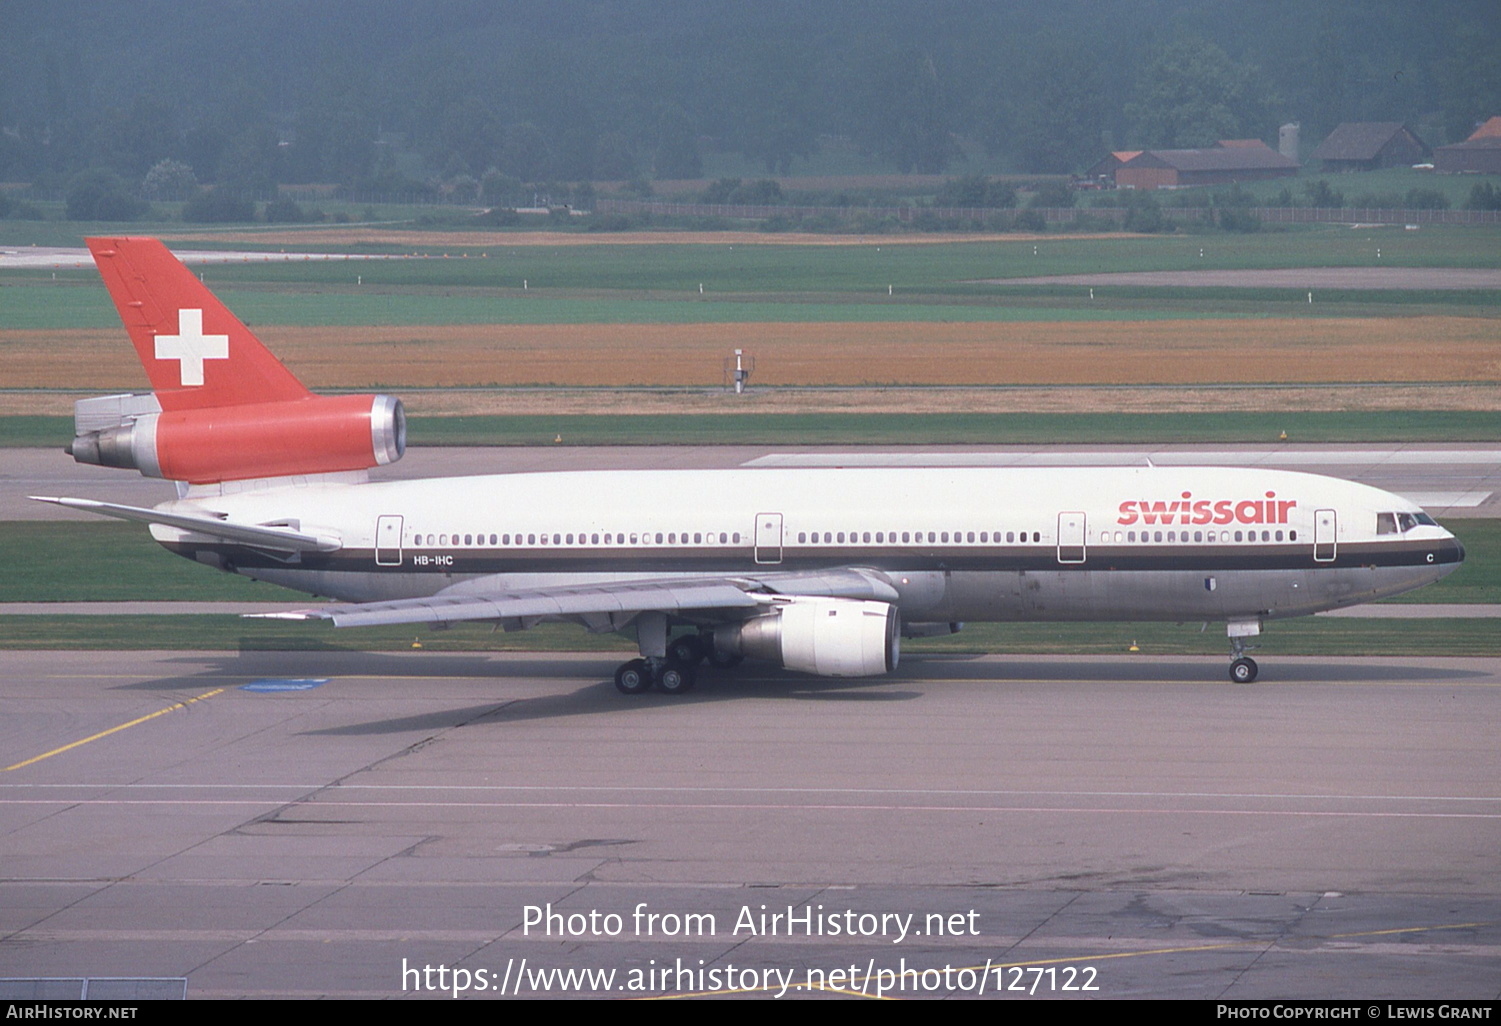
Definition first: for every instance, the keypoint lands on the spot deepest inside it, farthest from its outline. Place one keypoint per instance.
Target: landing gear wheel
(633, 678)
(1243, 670)
(687, 649)
(724, 660)
(675, 679)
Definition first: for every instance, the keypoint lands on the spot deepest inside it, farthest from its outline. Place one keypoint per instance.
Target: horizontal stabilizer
(279, 538)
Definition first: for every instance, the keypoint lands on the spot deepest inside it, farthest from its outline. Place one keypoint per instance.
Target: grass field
(890, 428)
(63, 306)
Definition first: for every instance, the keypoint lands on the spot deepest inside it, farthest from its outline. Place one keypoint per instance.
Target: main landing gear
(670, 676)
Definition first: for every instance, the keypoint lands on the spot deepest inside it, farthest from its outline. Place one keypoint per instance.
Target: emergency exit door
(1325, 535)
(768, 537)
(1070, 537)
(388, 541)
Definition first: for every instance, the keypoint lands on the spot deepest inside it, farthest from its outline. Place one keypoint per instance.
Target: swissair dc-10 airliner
(820, 570)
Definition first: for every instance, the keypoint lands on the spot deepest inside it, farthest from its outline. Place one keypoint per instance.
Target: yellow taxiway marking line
(114, 730)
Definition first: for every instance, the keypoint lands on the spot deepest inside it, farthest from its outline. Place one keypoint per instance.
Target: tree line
(383, 96)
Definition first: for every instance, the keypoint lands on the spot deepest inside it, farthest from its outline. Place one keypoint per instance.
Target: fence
(1050, 215)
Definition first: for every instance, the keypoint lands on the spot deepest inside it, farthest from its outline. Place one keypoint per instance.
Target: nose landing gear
(1243, 668)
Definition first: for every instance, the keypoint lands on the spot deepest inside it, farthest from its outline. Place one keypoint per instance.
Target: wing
(280, 539)
(605, 605)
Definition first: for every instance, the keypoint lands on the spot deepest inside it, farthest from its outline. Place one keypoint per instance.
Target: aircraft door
(1325, 535)
(388, 541)
(1070, 537)
(768, 537)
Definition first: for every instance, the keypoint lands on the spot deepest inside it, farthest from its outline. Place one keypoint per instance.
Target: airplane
(819, 570)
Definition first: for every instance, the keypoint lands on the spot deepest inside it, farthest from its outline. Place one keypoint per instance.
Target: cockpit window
(1401, 523)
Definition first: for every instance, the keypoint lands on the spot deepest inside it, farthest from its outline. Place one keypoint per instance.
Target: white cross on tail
(190, 347)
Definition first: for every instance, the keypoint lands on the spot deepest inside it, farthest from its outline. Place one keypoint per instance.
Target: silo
(1287, 141)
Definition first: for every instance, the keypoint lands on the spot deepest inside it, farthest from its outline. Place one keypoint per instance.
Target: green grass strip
(1363, 426)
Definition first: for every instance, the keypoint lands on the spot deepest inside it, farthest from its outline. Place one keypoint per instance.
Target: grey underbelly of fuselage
(1009, 595)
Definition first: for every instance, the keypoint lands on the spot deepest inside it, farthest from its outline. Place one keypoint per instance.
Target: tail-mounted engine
(831, 637)
(314, 435)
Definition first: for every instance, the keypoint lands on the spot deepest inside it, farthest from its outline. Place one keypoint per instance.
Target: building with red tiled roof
(1479, 154)
(1230, 161)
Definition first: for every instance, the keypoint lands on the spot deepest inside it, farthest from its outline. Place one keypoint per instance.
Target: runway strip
(59, 258)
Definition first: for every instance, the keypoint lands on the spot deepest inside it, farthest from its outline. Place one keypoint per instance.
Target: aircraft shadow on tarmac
(594, 699)
(919, 669)
(911, 681)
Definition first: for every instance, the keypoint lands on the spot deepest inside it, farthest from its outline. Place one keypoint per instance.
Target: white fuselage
(1104, 543)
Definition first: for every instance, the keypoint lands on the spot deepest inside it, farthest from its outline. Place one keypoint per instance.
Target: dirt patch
(337, 237)
(1249, 352)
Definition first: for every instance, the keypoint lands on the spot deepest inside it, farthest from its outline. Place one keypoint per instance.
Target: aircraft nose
(1450, 551)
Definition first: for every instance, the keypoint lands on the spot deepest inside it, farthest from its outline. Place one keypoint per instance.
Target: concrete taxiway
(1333, 830)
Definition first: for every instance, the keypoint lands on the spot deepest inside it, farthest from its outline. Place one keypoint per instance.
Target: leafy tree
(501, 189)
(720, 191)
(526, 153)
(968, 191)
(1057, 109)
(251, 161)
(99, 194)
(975, 191)
(1426, 199)
(1238, 219)
(1469, 78)
(905, 116)
(1191, 93)
(1144, 214)
(1484, 196)
(761, 192)
(333, 143)
(285, 210)
(169, 180)
(677, 153)
(1053, 194)
(613, 158)
(217, 206)
(1321, 195)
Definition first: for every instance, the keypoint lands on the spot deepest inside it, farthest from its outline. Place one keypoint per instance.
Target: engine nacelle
(316, 435)
(831, 637)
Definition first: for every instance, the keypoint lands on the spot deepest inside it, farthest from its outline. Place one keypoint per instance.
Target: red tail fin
(197, 354)
(229, 410)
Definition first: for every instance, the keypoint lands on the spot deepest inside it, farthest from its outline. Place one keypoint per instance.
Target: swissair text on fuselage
(1188, 510)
